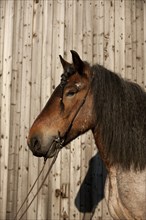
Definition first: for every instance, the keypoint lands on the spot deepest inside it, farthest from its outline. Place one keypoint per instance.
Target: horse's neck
(101, 149)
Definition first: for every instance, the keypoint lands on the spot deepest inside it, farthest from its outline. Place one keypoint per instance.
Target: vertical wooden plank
(139, 42)
(109, 34)
(58, 39)
(134, 40)
(144, 26)
(25, 102)
(128, 39)
(77, 26)
(2, 23)
(46, 52)
(15, 122)
(5, 103)
(87, 30)
(98, 32)
(95, 20)
(68, 35)
(18, 65)
(119, 38)
(14, 114)
(95, 31)
(20, 158)
(100, 39)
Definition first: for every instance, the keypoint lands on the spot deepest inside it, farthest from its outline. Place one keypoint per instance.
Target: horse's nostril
(35, 144)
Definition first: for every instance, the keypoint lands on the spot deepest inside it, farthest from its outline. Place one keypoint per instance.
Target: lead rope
(52, 163)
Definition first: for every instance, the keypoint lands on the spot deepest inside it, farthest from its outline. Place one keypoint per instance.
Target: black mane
(121, 117)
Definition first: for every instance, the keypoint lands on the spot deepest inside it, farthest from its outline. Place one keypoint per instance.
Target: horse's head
(68, 113)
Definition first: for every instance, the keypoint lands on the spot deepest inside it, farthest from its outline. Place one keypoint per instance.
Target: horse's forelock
(65, 76)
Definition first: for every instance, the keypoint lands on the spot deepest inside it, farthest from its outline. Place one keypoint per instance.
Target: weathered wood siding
(32, 35)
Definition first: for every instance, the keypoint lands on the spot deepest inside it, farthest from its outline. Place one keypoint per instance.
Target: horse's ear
(64, 63)
(78, 63)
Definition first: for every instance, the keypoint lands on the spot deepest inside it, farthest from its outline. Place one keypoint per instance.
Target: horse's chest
(125, 193)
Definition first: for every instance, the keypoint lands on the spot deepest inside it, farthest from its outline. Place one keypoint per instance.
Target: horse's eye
(70, 93)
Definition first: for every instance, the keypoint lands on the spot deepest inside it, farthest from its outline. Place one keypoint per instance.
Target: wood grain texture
(32, 35)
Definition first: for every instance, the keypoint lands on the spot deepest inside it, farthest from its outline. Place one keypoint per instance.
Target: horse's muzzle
(35, 146)
(38, 149)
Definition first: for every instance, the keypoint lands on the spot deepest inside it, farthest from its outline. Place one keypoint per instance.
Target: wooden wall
(32, 35)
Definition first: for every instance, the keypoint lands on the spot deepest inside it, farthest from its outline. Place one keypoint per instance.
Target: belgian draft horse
(92, 97)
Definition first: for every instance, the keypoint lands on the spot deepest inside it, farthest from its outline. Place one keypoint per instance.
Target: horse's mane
(121, 118)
